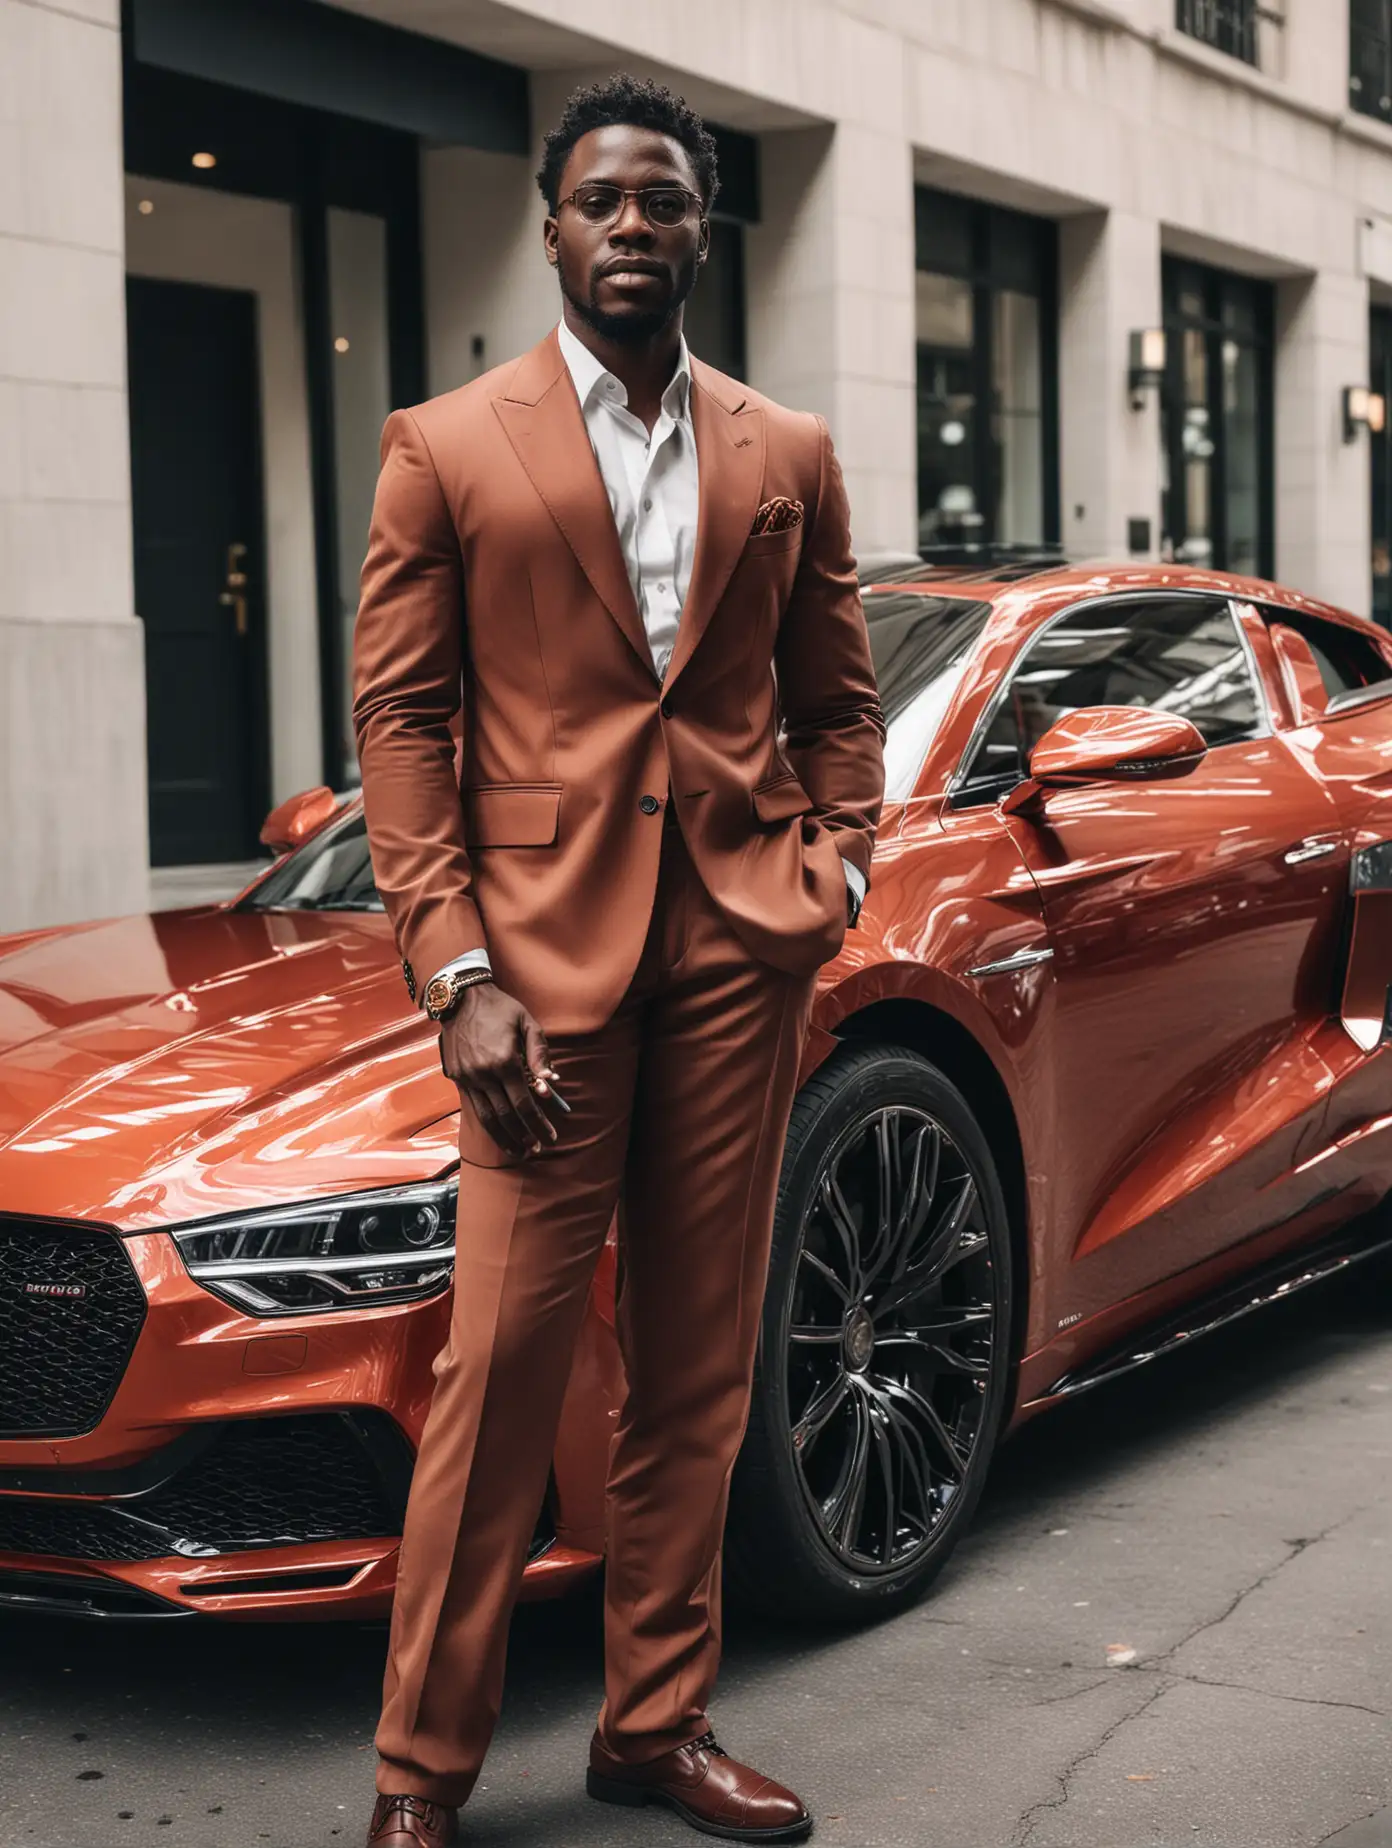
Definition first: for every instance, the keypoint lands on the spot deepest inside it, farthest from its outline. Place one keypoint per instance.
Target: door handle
(1309, 850)
(1022, 959)
(234, 597)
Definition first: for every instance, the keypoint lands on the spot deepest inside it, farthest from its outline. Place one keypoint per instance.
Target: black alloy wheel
(884, 1354)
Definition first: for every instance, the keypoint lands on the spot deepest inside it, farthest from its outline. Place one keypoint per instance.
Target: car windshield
(919, 642)
(332, 872)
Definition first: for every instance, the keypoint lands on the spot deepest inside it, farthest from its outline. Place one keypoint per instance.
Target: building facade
(1112, 275)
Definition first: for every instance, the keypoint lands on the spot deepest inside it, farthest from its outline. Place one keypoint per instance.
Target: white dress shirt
(653, 485)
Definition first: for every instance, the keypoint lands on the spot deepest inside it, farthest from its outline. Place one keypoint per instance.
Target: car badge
(55, 1289)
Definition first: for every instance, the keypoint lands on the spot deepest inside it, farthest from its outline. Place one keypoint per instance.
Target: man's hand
(491, 1047)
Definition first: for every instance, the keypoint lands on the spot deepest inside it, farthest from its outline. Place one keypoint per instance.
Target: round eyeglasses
(664, 207)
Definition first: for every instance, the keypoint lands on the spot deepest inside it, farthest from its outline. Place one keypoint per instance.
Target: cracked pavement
(1171, 1626)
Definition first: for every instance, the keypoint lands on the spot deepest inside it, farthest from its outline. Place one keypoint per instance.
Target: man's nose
(631, 223)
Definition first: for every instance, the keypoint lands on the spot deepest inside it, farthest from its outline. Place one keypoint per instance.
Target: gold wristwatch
(442, 992)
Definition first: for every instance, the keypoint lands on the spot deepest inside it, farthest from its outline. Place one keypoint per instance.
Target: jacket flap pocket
(512, 814)
(781, 798)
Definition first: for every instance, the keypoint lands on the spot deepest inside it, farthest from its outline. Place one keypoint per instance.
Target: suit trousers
(680, 1105)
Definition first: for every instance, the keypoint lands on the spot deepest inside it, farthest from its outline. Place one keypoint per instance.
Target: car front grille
(69, 1530)
(274, 1482)
(71, 1309)
(261, 1482)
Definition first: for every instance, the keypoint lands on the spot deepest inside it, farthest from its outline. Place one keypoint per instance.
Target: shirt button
(647, 506)
(663, 589)
(649, 804)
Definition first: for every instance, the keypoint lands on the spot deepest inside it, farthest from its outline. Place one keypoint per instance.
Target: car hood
(171, 1065)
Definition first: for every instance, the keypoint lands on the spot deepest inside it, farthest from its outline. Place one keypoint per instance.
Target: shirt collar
(590, 377)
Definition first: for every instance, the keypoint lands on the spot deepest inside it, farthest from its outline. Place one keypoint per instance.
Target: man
(614, 573)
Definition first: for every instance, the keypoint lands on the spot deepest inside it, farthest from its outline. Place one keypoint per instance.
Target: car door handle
(1022, 959)
(1309, 850)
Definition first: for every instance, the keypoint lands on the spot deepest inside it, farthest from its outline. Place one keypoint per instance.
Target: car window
(1348, 662)
(331, 872)
(1170, 654)
(920, 645)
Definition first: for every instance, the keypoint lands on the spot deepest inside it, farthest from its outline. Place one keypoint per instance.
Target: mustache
(640, 266)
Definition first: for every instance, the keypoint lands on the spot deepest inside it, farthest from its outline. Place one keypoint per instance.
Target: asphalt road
(1171, 1627)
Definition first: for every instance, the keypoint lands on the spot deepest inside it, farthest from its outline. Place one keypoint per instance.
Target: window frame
(963, 792)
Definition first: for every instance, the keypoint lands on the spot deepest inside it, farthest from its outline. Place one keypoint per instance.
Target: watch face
(438, 993)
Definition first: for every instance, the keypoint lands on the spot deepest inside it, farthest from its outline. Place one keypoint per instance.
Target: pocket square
(778, 515)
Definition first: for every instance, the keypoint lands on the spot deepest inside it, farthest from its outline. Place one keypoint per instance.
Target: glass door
(986, 314)
(1216, 417)
(949, 501)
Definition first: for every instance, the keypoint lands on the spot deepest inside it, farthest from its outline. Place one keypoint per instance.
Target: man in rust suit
(622, 763)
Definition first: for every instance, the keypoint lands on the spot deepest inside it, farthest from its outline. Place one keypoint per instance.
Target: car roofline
(1110, 577)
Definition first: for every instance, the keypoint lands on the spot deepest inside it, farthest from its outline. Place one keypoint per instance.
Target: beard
(639, 326)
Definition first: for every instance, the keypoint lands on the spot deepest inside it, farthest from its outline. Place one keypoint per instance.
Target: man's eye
(667, 208)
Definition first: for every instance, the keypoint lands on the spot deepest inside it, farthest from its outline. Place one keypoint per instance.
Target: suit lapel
(730, 461)
(545, 425)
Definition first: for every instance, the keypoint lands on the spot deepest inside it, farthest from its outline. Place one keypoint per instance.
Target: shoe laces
(709, 1743)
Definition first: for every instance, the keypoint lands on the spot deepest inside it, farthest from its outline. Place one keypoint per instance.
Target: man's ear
(549, 232)
(703, 241)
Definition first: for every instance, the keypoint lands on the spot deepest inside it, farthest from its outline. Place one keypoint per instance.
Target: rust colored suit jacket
(510, 726)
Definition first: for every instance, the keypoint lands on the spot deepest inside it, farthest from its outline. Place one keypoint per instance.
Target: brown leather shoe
(412, 1822)
(706, 1788)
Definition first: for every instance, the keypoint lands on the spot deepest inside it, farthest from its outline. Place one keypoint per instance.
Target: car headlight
(392, 1246)
(1372, 868)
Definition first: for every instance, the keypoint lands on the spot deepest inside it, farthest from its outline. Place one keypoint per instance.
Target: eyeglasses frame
(635, 192)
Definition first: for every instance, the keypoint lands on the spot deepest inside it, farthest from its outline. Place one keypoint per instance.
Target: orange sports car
(1105, 1064)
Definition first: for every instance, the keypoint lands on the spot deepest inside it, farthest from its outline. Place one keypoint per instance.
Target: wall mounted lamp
(1147, 368)
(1364, 409)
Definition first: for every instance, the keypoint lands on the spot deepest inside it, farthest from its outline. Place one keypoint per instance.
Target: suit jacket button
(666, 708)
(649, 804)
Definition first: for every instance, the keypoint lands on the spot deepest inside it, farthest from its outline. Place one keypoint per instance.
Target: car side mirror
(1107, 744)
(293, 821)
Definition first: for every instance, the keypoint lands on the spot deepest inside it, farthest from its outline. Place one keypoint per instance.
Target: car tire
(797, 1546)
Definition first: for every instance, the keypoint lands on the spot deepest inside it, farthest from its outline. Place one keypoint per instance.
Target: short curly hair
(634, 102)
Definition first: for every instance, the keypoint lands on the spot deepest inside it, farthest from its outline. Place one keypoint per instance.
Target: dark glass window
(331, 872)
(987, 374)
(1348, 662)
(1181, 654)
(920, 645)
(1217, 420)
(714, 320)
(1370, 57)
(1227, 25)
